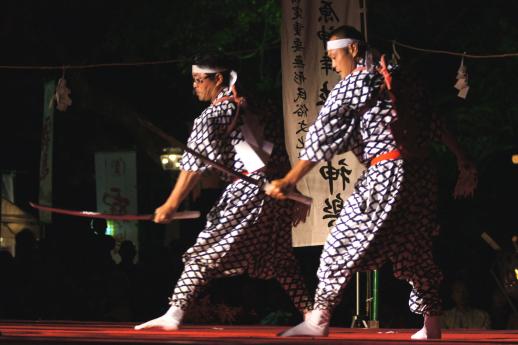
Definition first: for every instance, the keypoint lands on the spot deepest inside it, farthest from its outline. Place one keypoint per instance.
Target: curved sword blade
(88, 214)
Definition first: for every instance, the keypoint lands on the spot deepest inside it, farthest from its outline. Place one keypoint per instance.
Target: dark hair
(215, 61)
(346, 31)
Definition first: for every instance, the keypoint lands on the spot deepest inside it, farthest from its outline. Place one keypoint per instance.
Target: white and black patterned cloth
(246, 231)
(389, 216)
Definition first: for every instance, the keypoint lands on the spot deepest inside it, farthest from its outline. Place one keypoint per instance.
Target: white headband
(340, 43)
(202, 69)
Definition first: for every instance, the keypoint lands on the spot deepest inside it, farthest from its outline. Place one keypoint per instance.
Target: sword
(99, 215)
(157, 131)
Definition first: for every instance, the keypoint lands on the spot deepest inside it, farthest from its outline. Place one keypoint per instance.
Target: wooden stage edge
(69, 332)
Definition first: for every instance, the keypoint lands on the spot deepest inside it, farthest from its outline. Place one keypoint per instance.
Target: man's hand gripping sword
(152, 128)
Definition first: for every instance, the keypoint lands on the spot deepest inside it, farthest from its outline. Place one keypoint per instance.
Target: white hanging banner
(47, 134)
(116, 186)
(307, 79)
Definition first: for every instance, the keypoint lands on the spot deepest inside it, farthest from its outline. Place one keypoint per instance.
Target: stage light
(170, 158)
(110, 227)
(515, 159)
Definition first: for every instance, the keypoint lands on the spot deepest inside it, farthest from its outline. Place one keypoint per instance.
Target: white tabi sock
(431, 329)
(170, 321)
(316, 324)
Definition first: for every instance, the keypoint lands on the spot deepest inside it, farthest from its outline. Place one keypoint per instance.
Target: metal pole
(1, 224)
(375, 295)
(368, 296)
(356, 317)
(357, 293)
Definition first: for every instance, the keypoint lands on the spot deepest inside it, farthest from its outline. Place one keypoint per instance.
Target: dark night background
(107, 99)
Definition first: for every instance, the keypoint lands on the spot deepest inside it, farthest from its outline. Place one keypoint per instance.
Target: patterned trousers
(195, 277)
(389, 218)
(246, 232)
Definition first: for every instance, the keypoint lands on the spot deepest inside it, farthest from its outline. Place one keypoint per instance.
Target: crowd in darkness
(73, 276)
(53, 279)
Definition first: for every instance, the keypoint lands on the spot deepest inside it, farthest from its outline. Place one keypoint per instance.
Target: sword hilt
(186, 215)
(306, 200)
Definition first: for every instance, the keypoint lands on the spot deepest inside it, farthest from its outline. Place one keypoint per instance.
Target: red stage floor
(18, 332)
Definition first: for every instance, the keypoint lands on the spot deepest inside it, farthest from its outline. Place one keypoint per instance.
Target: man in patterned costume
(246, 231)
(386, 218)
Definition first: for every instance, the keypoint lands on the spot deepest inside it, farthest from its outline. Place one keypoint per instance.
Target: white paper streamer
(233, 77)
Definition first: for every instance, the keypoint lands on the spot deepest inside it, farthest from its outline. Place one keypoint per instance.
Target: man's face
(205, 87)
(342, 60)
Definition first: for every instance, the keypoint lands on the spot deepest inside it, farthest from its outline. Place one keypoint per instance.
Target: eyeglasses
(198, 81)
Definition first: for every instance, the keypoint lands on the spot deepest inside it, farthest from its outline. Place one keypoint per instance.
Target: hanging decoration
(62, 94)
(462, 80)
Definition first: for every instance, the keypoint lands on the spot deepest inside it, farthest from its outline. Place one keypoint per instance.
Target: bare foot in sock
(306, 329)
(164, 322)
(316, 324)
(170, 321)
(430, 330)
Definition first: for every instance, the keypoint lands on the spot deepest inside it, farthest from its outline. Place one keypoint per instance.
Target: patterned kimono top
(338, 128)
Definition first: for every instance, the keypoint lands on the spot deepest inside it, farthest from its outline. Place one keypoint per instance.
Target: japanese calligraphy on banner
(307, 79)
(47, 133)
(116, 186)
